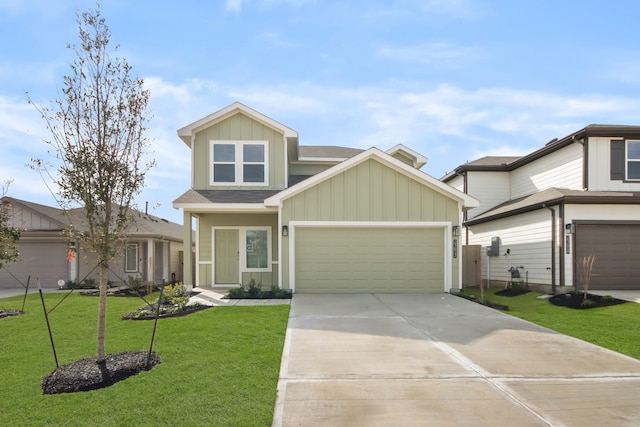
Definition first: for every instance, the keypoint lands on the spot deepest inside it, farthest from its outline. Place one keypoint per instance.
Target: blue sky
(452, 79)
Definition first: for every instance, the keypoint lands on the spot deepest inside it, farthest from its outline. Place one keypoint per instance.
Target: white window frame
(627, 160)
(243, 251)
(126, 258)
(239, 163)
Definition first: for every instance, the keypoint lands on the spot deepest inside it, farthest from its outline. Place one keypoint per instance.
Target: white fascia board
(387, 159)
(225, 207)
(186, 132)
(419, 159)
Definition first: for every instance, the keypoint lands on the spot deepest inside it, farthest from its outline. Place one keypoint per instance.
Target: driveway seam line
(466, 363)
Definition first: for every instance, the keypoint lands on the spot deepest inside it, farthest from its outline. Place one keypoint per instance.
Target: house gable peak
(186, 133)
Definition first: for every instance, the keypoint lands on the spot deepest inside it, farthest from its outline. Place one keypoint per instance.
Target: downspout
(464, 213)
(553, 247)
(561, 246)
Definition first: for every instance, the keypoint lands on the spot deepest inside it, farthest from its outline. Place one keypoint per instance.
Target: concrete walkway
(440, 360)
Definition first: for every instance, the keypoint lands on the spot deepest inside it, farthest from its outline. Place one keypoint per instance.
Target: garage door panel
(369, 260)
(616, 248)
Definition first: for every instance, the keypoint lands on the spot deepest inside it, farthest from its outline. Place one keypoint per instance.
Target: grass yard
(220, 366)
(616, 327)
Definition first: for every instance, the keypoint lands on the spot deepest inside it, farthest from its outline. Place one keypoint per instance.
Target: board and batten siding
(599, 167)
(527, 236)
(369, 191)
(204, 244)
(238, 128)
(562, 169)
(490, 188)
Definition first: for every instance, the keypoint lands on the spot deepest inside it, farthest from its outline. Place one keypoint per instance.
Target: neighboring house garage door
(46, 261)
(616, 248)
(369, 260)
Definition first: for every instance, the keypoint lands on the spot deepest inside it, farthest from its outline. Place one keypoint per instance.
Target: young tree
(97, 127)
(8, 235)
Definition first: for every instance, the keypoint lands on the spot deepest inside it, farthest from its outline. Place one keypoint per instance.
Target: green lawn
(616, 327)
(219, 366)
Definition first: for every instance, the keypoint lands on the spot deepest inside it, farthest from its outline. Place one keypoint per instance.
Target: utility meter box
(494, 249)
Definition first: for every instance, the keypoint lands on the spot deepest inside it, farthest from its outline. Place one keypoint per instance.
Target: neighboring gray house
(576, 196)
(153, 251)
(314, 219)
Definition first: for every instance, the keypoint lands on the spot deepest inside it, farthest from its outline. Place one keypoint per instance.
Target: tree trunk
(102, 312)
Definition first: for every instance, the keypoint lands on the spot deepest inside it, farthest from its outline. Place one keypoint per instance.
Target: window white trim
(126, 258)
(628, 160)
(243, 252)
(239, 163)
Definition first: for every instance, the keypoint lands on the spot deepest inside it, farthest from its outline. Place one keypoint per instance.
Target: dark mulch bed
(259, 295)
(7, 313)
(510, 292)
(88, 374)
(165, 311)
(484, 302)
(576, 300)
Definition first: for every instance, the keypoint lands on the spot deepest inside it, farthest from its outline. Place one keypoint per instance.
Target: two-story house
(314, 218)
(541, 214)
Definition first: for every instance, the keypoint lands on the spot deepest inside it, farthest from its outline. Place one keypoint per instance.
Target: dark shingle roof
(552, 196)
(225, 196)
(327, 151)
(143, 225)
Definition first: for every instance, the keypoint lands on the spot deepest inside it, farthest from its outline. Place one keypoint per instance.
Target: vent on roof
(551, 142)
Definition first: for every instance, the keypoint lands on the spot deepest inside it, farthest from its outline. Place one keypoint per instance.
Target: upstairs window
(239, 162)
(633, 160)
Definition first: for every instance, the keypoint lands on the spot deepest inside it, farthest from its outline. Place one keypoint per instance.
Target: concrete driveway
(440, 360)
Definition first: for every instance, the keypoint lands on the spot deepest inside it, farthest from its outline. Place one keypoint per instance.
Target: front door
(227, 266)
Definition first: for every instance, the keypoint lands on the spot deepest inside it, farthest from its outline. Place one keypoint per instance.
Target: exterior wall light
(455, 230)
(285, 230)
(570, 228)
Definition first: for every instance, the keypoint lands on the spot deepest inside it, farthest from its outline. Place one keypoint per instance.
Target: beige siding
(308, 169)
(239, 127)
(562, 169)
(369, 191)
(205, 245)
(26, 219)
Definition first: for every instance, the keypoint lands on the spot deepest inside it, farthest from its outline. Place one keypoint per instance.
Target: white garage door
(369, 260)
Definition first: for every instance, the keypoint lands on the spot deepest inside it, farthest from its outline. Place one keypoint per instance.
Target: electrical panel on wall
(494, 249)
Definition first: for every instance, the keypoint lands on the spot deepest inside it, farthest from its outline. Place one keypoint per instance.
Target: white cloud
(437, 54)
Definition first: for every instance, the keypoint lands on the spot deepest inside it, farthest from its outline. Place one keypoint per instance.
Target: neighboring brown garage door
(369, 260)
(45, 260)
(616, 248)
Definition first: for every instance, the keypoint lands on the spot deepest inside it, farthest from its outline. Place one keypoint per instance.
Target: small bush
(254, 289)
(587, 303)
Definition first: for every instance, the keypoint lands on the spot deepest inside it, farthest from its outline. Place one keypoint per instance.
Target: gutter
(553, 247)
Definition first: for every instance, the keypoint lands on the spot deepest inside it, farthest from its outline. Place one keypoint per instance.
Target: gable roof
(144, 225)
(384, 158)
(186, 133)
